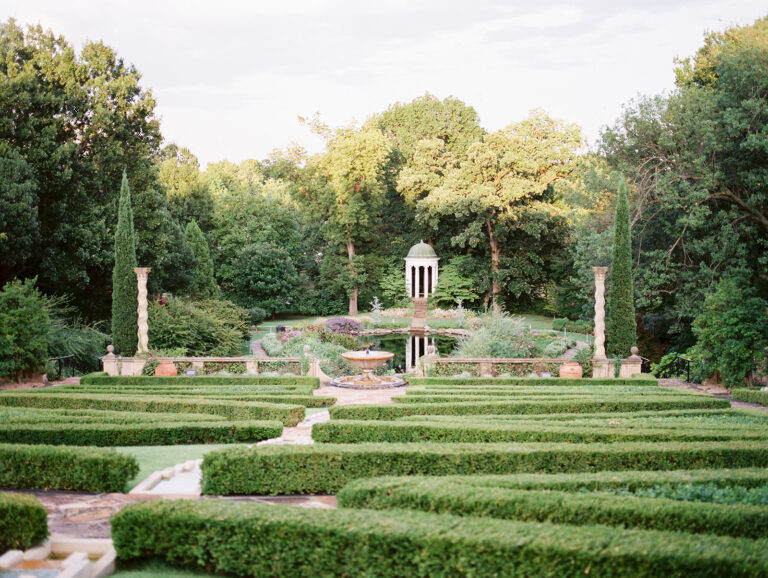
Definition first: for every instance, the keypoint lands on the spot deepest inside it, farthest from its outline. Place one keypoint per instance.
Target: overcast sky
(230, 77)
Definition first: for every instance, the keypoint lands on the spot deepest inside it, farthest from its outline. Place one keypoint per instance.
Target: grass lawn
(153, 458)
(156, 569)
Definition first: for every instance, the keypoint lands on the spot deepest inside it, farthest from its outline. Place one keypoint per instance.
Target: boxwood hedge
(249, 539)
(45, 467)
(340, 431)
(641, 379)
(325, 468)
(388, 412)
(141, 434)
(559, 507)
(101, 378)
(751, 395)
(23, 521)
(236, 410)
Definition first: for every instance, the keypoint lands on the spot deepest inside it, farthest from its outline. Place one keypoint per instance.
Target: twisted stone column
(600, 365)
(141, 276)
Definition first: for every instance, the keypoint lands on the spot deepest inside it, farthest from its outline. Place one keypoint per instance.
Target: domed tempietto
(421, 271)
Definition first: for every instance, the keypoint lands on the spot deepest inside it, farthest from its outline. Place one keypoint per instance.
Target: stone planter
(571, 370)
(166, 368)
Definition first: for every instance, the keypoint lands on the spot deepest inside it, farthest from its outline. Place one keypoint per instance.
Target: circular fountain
(367, 361)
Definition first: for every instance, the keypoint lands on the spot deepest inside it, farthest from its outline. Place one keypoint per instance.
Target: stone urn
(571, 370)
(166, 368)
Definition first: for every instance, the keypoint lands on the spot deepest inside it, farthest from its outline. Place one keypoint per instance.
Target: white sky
(230, 77)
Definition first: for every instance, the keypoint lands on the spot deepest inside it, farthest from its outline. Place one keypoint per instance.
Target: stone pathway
(257, 350)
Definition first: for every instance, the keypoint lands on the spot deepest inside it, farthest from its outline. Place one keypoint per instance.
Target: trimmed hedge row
(751, 396)
(324, 469)
(418, 390)
(148, 434)
(32, 416)
(240, 411)
(23, 522)
(641, 379)
(101, 378)
(456, 398)
(573, 417)
(601, 481)
(185, 389)
(45, 467)
(445, 496)
(288, 398)
(388, 412)
(219, 536)
(339, 431)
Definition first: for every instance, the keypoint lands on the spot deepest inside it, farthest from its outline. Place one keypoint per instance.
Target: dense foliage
(732, 331)
(124, 281)
(622, 328)
(24, 329)
(207, 327)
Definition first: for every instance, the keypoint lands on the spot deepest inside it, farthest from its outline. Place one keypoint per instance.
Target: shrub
(751, 396)
(202, 328)
(23, 522)
(388, 412)
(289, 415)
(295, 542)
(271, 345)
(446, 496)
(101, 378)
(146, 434)
(555, 349)
(24, 333)
(256, 315)
(498, 336)
(342, 325)
(42, 467)
(68, 335)
(732, 331)
(343, 432)
(643, 380)
(324, 469)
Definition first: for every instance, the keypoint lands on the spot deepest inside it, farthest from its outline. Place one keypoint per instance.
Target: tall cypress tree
(125, 293)
(622, 327)
(203, 283)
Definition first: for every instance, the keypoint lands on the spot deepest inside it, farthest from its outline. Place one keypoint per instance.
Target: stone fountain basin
(369, 359)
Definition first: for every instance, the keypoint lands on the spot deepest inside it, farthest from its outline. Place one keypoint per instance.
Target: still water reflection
(408, 348)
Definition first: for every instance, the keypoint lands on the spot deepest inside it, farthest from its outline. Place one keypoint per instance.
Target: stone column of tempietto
(141, 276)
(600, 364)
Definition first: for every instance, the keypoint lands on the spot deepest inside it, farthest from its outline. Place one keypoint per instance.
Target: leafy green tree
(502, 194)
(451, 121)
(125, 292)
(71, 123)
(24, 329)
(698, 163)
(204, 284)
(732, 331)
(265, 277)
(356, 164)
(452, 285)
(393, 284)
(160, 243)
(622, 326)
(189, 198)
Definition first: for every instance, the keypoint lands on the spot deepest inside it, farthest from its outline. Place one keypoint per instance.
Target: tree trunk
(495, 288)
(353, 297)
